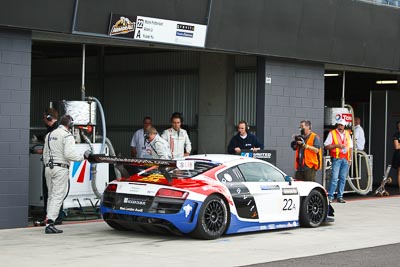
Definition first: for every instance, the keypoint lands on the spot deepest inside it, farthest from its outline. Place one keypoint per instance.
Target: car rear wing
(101, 158)
(119, 162)
(185, 168)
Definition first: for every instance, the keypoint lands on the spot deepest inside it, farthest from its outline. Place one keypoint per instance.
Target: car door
(276, 200)
(245, 205)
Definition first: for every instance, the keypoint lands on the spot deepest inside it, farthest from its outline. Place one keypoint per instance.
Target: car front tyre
(313, 209)
(213, 219)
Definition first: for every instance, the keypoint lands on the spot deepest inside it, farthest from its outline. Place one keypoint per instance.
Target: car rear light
(112, 188)
(164, 192)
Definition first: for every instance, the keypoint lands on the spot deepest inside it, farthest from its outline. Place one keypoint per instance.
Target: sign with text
(185, 164)
(170, 32)
(266, 155)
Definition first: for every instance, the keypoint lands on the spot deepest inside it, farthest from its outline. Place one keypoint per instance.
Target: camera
(299, 138)
(296, 138)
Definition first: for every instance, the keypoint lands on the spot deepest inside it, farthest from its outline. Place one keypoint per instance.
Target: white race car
(207, 196)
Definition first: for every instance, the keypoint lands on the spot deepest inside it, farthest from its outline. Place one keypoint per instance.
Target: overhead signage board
(170, 32)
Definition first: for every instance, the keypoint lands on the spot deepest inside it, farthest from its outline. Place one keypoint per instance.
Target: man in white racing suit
(177, 137)
(58, 151)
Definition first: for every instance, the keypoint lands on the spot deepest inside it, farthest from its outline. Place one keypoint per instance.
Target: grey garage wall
(296, 92)
(15, 73)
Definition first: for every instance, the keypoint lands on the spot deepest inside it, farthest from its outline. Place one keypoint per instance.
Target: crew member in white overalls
(58, 151)
(159, 147)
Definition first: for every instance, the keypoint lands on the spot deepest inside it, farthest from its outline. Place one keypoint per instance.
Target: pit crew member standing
(159, 147)
(138, 143)
(340, 146)
(359, 134)
(50, 119)
(58, 151)
(177, 137)
(308, 157)
(243, 140)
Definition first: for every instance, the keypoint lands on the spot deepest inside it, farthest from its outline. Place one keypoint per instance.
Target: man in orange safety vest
(340, 146)
(308, 157)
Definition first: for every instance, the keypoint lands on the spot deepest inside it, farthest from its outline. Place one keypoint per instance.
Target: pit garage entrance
(374, 97)
(212, 90)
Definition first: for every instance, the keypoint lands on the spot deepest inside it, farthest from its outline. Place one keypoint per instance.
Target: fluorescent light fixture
(386, 82)
(331, 74)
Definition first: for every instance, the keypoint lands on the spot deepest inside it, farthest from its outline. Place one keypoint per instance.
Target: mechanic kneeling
(58, 151)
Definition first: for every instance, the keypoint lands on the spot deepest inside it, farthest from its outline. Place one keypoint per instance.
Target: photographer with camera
(308, 157)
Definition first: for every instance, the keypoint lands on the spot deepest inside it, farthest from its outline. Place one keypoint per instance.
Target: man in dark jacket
(243, 140)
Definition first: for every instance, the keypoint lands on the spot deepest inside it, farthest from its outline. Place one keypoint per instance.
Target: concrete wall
(15, 73)
(216, 99)
(295, 93)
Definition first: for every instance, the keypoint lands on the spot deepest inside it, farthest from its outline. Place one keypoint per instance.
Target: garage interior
(134, 82)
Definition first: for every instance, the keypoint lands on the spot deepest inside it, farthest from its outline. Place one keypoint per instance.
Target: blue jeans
(340, 168)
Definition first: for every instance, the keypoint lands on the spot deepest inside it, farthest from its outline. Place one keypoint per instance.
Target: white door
(276, 200)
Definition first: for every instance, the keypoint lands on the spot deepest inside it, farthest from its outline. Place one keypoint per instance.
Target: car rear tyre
(213, 219)
(116, 226)
(313, 209)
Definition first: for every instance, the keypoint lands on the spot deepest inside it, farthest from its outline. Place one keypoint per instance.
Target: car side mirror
(289, 179)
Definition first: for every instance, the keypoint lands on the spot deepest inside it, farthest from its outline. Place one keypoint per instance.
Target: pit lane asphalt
(362, 224)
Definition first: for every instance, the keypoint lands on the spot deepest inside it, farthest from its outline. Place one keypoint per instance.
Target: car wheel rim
(214, 216)
(315, 209)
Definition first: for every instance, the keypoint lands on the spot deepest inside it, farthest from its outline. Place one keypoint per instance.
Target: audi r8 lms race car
(207, 196)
